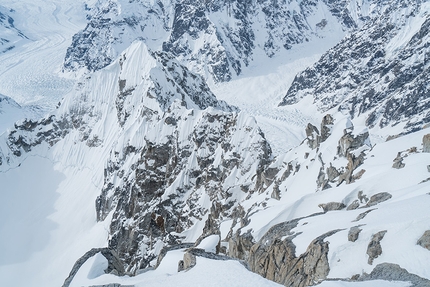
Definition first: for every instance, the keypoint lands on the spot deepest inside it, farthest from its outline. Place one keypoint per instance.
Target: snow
(207, 272)
(47, 196)
(30, 73)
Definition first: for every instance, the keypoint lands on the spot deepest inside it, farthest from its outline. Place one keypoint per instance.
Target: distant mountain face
(9, 34)
(215, 38)
(380, 72)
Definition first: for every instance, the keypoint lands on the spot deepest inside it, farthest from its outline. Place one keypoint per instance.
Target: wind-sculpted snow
(379, 72)
(213, 38)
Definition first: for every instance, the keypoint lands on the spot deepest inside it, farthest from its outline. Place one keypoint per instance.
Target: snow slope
(30, 73)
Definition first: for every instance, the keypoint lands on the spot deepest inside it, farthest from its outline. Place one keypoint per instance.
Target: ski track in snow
(29, 73)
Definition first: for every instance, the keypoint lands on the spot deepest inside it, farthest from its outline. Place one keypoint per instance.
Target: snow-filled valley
(166, 143)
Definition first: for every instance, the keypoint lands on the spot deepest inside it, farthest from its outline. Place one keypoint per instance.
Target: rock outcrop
(374, 249)
(353, 233)
(424, 240)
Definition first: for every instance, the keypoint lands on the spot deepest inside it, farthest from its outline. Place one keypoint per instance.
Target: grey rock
(348, 142)
(378, 198)
(428, 168)
(240, 245)
(326, 127)
(276, 260)
(374, 249)
(313, 136)
(398, 161)
(363, 215)
(426, 143)
(189, 260)
(354, 205)
(424, 240)
(393, 272)
(332, 206)
(353, 233)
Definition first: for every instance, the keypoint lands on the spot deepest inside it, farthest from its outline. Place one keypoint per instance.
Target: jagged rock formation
(276, 259)
(215, 38)
(393, 90)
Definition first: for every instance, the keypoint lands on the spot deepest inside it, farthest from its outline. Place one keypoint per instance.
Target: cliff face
(379, 71)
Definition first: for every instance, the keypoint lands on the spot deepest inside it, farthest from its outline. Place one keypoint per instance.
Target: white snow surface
(31, 72)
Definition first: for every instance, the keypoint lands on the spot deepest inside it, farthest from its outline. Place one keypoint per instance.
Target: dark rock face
(374, 249)
(394, 89)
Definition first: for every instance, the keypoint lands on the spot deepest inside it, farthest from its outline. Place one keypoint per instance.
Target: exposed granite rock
(240, 245)
(393, 272)
(378, 198)
(332, 206)
(374, 249)
(353, 233)
(362, 215)
(313, 136)
(189, 260)
(354, 205)
(275, 259)
(424, 240)
(398, 161)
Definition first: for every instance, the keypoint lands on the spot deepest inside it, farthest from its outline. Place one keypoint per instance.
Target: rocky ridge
(216, 38)
(380, 71)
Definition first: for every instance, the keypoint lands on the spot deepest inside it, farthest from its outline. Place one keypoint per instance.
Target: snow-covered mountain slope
(10, 35)
(122, 121)
(379, 73)
(217, 39)
(29, 73)
(142, 176)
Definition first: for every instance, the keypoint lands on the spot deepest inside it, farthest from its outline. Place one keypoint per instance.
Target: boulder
(398, 161)
(354, 205)
(374, 249)
(189, 260)
(353, 233)
(378, 198)
(424, 240)
(332, 206)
